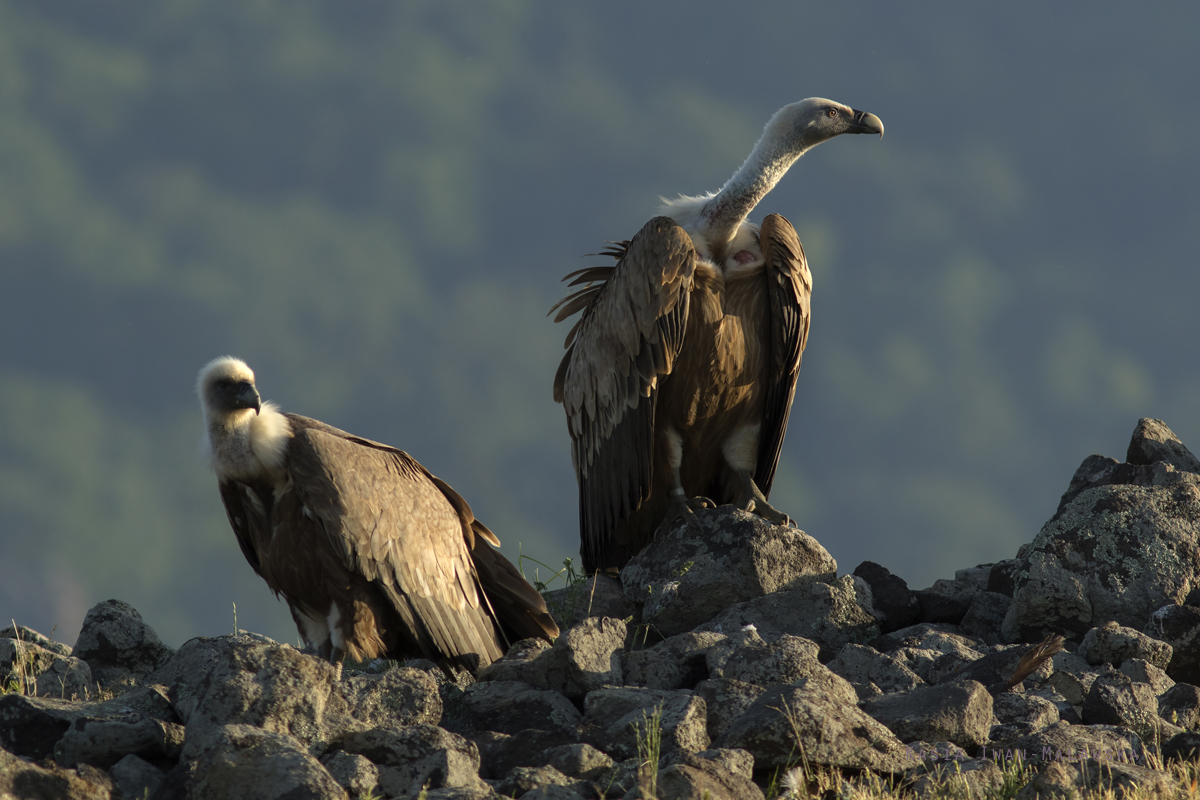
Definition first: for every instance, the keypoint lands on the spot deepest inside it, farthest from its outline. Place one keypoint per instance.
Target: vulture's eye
(832, 112)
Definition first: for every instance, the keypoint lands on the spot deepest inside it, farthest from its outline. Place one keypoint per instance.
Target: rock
(599, 595)
(33, 669)
(525, 779)
(1022, 714)
(581, 660)
(242, 761)
(832, 615)
(1123, 543)
(725, 700)
(30, 636)
(683, 578)
(512, 706)
(499, 753)
(552, 793)
(985, 616)
(894, 603)
(518, 663)
(860, 664)
(974, 778)
(394, 698)
(1072, 676)
(136, 777)
(746, 657)
(22, 779)
(279, 689)
(1180, 705)
(1182, 747)
(1153, 441)
(1098, 777)
(1142, 671)
(579, 761)
(1179, 626)
(1114, 644)
(945, 601)
(185, 673)
(614, 719)
(1066, 741)
(354, 773)
(30, 726)
(956, 712)
(1002, 577)
(678, 662)
(1116, 700)
(103, 741)
(716, 777)
(415, 756)
(118, 644)
(812, 718)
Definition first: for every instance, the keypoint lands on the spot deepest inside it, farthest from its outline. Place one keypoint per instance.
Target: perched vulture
(679, 375)
(374, 556)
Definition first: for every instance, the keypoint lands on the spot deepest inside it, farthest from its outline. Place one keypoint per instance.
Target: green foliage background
(372, 204)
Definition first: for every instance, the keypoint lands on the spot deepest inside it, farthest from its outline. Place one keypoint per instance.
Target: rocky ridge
(737, 643)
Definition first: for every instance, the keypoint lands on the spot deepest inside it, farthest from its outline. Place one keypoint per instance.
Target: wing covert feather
(394, 525)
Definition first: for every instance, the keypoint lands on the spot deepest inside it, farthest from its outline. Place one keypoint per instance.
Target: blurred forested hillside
(372, 203)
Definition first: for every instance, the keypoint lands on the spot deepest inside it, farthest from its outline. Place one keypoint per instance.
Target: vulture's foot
(685, 508)
(754, 501)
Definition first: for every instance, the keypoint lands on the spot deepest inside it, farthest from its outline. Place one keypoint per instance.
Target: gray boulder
(615, 718)
(579, 761)
(1180, 705)
(136, 777)
(725, 700)
(968, 778)
(711, 774)
(679, 662)
(1153, 441)
(1093, 777)
(118, 644)
(958, 712)
(33, 637)
(1114, 644)
(584, 658)
(684, 578)
(279, 689)
(103, 741)
(414, 756)
(37, 670)
(22, 779)
(354, 773)
(512, 706)
(1179, 626)
(814, 717)
(895, 604)
(599, 595)
(830, 614)
(241, 761)
(1124, 542)
(886, 672)
(746, 657)
(1116, 700)
(1142, 671)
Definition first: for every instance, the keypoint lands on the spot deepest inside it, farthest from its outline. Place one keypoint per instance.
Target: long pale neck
(246, 445)
(765, 166)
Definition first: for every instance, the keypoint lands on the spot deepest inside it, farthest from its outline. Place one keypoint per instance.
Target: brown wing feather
(625, 342)
(388, 520)
(789, 289)
(244, 517)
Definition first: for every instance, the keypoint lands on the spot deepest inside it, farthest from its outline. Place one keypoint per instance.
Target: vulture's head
(816, 119)
(226, 389)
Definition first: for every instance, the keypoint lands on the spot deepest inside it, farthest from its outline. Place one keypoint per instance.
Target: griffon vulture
(679, 375)
(374, 556)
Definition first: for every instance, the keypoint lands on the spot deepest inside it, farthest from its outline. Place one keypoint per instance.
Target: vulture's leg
(752, 499)
(682, 506)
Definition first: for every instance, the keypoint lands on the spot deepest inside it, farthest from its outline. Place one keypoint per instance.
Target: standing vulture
(374, 556)
(679, 375)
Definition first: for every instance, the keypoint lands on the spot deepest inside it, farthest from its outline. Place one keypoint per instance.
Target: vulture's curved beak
(865, 122)
(247, 397)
